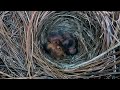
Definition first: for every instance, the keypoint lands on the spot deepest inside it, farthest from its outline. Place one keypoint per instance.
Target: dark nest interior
(59, 44)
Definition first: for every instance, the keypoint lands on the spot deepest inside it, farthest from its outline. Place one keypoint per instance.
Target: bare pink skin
(72, 50)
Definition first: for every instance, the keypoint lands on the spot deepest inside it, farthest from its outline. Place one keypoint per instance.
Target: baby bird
(61, 44)
(56, 50)
(55, 37)
(69, 44)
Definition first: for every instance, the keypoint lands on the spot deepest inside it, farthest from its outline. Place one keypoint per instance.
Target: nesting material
(59, 44)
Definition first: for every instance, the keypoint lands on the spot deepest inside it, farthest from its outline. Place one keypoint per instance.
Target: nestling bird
(59, 45)
(70, 44)
(55, 37)
(56, 50)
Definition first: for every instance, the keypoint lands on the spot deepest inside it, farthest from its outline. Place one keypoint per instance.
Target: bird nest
(24, 34)
(86, 31)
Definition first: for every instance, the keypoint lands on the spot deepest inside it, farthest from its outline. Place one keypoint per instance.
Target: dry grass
(22, 58)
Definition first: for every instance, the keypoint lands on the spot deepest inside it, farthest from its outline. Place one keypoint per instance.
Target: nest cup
(86, 30)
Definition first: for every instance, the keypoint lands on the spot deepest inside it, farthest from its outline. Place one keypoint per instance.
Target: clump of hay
(23, 33)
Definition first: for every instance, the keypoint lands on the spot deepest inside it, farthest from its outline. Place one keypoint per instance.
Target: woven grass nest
(24, 33)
